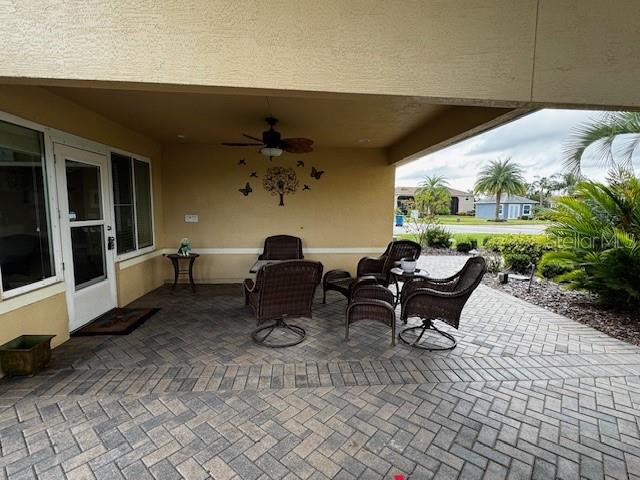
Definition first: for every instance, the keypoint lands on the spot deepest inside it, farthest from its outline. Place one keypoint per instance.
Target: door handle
(111, 243)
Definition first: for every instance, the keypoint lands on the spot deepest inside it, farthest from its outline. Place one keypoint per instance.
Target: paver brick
(526, 394)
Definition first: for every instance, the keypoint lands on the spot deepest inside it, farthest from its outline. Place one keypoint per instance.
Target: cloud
(536, 142)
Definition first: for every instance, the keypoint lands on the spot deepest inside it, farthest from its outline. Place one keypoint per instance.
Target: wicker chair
(379, 267)
(371, 302)
(282, 247)
(439, 299)
(371, 270)
(341, 281)
(281, 290)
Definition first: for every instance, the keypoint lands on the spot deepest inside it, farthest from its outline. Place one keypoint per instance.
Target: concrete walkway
(526, 394)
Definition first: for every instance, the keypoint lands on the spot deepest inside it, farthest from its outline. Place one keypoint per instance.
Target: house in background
(461, 202)
(511, 206)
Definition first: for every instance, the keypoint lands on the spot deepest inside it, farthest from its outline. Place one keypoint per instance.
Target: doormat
(119, 321)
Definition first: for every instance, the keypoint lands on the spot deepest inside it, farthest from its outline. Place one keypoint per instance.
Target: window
(526, 210)
(501, 209)
(132, 203)
(26, 249)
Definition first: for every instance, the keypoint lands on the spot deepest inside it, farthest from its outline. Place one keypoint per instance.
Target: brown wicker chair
(439, 299)
(341, 281)
(282, 247)
(379, 267)
(373, 269)
(371, 302)
(281, 290)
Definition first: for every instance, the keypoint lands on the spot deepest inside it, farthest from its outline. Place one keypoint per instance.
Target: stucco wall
(47, 316)
(38, 105)
(564, 51)
(350, 207)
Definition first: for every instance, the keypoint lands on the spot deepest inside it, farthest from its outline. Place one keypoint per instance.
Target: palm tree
(599, 239)
(433, 197)
(621, 127)
(566, 182)
(501, 176)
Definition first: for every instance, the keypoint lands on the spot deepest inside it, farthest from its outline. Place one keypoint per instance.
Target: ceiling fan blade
(252, 137)
(233, 144)
(297, 145)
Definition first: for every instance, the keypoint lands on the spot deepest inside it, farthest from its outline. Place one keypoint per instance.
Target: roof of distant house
(452, 191)
(504, 198)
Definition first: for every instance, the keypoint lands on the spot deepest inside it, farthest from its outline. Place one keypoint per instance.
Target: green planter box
(26, 354)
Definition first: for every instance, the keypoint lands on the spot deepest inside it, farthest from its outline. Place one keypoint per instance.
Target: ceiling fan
(272, 144)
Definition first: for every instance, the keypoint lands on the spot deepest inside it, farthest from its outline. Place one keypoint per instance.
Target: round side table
(399, 275)
(177, 271)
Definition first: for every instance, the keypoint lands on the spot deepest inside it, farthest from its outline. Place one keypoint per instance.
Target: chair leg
(298, 332)
(324, 295)
(346, 330)
(393, 333)
(427, 324)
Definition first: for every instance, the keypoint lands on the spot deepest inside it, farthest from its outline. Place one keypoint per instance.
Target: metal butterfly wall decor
(246, 190)
(316, 173)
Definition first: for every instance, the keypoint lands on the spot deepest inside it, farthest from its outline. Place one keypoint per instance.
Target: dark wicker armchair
(282, 247)
(284, 289)
(379, 267)
(341, 281)
(439, 299)
(371, 270)
(371, 302)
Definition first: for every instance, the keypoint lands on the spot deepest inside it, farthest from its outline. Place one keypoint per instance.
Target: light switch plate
(191, 218)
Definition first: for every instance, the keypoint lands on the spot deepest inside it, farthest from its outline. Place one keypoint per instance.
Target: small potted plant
(185, 247)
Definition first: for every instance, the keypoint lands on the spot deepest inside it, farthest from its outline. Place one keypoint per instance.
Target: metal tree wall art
(280, 181)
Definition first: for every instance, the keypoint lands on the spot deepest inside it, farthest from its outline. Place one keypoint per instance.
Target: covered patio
(526, 393)
(112, 116)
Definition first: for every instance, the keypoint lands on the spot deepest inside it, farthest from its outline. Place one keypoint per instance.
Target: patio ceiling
(370, 121)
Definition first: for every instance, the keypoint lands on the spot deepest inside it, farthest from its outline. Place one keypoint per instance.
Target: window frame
(53, 212)
(138, 251)
(526, 205)
(501, 210)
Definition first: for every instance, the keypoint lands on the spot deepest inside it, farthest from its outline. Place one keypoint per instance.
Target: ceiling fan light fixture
(271, 151)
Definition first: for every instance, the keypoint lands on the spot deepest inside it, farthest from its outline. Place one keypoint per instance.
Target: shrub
(518, 262)
(429, 233)
(437, 237)
(486, 240)
(494, 263)
(551, 268)
(465, 245)
(534, 246)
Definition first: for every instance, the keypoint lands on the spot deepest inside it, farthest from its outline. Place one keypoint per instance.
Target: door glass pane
(143, 203)
(87, 244)
(122, 174)
(26, 253)
(83, 190)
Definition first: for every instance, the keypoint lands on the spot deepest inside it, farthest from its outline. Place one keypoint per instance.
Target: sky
(535, 142)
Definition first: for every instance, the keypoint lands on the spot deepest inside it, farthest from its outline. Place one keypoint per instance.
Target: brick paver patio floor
(526, 394)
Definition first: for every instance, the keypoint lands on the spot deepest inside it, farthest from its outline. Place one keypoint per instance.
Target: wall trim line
(248, 251)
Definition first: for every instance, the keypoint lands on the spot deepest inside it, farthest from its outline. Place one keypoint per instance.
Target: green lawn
(464, 220)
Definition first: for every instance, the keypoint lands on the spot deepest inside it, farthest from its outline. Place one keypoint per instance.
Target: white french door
(88, 243)
(514, 210)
